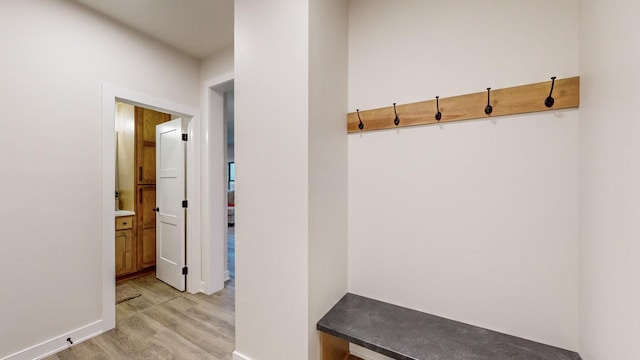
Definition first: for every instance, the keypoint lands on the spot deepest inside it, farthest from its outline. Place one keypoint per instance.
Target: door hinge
(185, 204)
(185, 137)
(185, 270)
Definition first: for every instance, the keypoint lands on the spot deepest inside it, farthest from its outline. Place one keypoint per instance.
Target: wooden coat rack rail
(509, 101)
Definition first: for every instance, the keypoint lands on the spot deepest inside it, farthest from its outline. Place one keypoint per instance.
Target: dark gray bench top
(402, 333)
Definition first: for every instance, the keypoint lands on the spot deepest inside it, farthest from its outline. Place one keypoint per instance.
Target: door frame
(214, 187)
(110, 95)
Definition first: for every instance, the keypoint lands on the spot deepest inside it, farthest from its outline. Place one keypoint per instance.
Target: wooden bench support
(333, 348)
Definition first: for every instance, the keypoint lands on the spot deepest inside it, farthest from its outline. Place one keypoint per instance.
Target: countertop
(120, 213)
(402, 333)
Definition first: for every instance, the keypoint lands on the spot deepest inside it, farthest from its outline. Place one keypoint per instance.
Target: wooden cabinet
(146, 226)
(145, 165)
(125, 246)
(146, 121)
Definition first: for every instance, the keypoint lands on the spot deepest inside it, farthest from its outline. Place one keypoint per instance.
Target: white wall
(56, 55)
(230, 153)
(216, 64)
(328, 62)
(609, 178)
(475, 221)
(230, 115)
(271, 128)
(290, 101)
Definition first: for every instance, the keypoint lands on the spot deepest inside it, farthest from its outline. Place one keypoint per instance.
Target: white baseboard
(366, 354)
(226, 276)
(238, 356)
(58, 343)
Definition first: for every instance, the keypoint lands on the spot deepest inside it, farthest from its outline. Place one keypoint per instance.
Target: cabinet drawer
(124, 222)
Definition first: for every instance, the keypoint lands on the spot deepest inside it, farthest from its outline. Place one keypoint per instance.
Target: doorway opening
(111, 96)
(135, 190)
(150, 187)
(219, 205)
(230, 178)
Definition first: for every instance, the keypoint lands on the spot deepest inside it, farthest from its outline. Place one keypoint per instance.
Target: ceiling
(196, 27)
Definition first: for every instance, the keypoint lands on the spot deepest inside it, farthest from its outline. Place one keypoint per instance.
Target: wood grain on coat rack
(508, 101)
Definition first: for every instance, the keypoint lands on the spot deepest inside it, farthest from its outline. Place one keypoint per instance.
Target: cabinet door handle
(140, 196)
(156, 209)
(140, 173)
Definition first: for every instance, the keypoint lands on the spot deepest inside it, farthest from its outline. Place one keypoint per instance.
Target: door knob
(156, 209)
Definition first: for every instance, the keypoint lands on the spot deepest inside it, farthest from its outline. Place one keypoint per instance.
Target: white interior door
(170, 193)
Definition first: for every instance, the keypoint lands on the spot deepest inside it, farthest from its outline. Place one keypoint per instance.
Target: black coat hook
(548, 102)
(438, 113)
(397, 119)
(360, 124)
(488, 109)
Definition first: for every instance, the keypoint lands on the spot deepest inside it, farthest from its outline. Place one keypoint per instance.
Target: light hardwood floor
(164, 323)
